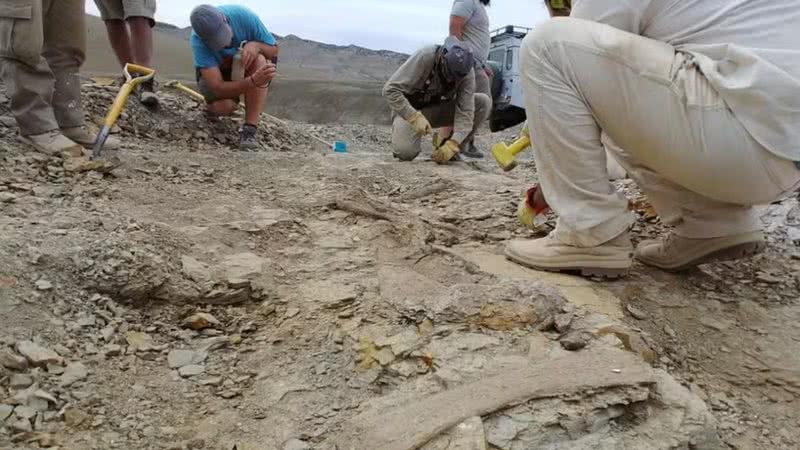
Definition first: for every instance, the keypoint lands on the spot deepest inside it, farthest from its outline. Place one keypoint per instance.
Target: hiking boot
(470, 151)
(675, 253)
(53, 143)
(146, 92)
(612, 259)
(248, 139)
(85, 137)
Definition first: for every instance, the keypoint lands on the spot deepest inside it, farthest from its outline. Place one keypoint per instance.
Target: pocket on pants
(21, 35)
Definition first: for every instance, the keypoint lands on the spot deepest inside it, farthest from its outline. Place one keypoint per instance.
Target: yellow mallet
(505, 154)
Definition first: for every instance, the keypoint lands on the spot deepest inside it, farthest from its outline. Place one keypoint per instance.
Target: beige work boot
(611, 260)
(52, 143)
(675, 253)
(86, 138)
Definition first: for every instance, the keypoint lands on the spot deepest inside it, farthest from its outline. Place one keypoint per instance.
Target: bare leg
(255, 98)
(120, 40)
(141, 36)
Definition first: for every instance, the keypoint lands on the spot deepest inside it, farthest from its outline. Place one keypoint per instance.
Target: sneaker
(611, 260)
(85, 137)
(53, 143)
(146, 92)
(248, 139)
(675, 253)
(470, 151)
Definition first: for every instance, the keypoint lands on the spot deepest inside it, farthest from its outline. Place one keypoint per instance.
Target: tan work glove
(446, 152)
(420, 124)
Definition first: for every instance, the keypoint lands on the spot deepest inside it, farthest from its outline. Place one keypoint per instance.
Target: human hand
(489, 71)
(446, 152)
(263, 76)
(420, 124)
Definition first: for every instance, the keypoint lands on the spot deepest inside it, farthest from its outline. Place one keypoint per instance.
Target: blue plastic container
(340, 147)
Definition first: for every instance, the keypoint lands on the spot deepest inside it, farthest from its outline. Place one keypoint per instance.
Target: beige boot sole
(733, 248)
(76, 148)
(590, 267)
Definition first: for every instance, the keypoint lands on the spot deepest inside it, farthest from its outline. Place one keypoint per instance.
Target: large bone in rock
(410, 425)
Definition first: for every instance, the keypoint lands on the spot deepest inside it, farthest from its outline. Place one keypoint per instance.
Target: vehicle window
(497, 56)
(509, 59)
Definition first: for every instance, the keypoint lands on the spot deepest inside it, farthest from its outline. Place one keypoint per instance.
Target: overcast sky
(400, 25)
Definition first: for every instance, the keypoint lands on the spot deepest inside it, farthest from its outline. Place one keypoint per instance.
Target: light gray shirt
(413, 76)
(476, 29)
(748, 49)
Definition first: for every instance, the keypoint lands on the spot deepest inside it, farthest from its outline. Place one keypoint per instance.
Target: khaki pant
(42, 46)
(406, 143)
(483, 84)
(589, 87)
(125, 9)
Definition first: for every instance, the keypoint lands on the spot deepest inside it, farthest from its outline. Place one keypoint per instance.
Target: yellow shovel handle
(119, 103)
(191, 92)
(145, 73)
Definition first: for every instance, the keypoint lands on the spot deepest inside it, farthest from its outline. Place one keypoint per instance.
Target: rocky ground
(294, 298)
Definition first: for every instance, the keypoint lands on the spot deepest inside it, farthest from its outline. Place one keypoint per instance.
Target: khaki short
(125, 9)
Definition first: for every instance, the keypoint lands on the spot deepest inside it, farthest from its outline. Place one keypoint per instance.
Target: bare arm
(269, 51)
(457, 24)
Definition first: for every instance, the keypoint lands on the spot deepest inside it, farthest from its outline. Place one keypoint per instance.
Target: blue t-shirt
(246, 26)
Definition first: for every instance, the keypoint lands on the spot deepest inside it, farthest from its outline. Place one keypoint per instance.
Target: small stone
(200, 321)
(21, 426)
(112, 350)
(670, 332)
(767, 278)
(291, 312)
(20, 381)
(191, 370)
(181, 358)
(86, 322)
(635, 312)
(138, 341)
(12, 361)
(25, 412)
(296, 444)
(74, 373)
(107, 333)
(7, 121)
(74, 417)
(38, 355)
(575, 340)
(7, 197)
(216, 381)
(44, 285)
(714, 323)
(562, 322)
(229, 394)
(5, 411)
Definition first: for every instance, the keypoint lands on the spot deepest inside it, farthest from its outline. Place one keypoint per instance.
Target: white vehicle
(508, 109)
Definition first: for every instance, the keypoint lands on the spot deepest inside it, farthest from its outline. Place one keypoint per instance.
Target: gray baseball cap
(458, 58)
(211, 26)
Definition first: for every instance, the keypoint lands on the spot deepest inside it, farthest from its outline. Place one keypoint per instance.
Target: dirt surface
(201, 298)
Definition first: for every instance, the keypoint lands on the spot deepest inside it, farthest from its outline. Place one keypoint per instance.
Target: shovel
(145, 74)
(186, 90)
